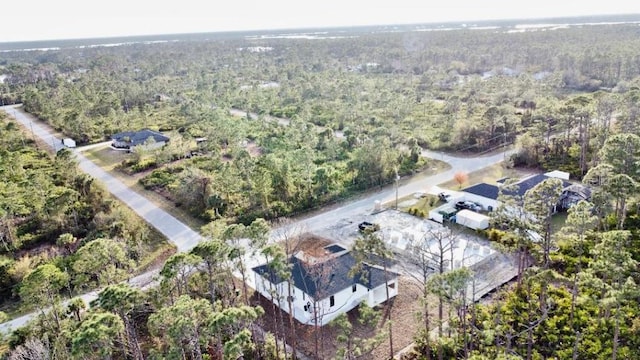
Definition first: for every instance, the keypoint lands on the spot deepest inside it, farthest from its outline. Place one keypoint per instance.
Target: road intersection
(186, 238)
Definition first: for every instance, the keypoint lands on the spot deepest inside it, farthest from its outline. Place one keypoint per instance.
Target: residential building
(325, 286)
(487, 194)
(128, 140)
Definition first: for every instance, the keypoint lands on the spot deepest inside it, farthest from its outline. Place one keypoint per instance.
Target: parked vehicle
(366, 226)
(444, 197)
(68, 142)
(469, 205)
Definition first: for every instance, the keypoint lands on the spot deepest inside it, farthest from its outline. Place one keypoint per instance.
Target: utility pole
(397, 178)
(505, 147)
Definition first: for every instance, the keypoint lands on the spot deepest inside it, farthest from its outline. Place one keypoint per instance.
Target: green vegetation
(57, 223)
(423, 205)
(346, 127)
(355, 112)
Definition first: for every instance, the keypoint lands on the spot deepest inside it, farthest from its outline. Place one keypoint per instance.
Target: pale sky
(64, 19)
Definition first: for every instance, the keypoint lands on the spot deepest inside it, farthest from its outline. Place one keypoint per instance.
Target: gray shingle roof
(326, 278)
(135, 138)
(483, 189)
(524, 185)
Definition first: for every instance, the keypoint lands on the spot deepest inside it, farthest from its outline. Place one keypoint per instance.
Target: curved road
(185, 238)
(416, 183)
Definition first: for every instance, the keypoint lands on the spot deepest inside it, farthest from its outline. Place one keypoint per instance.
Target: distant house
(128, 140)
(322, 288)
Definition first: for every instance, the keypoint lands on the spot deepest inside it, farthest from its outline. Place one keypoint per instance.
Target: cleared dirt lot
(402, 232)
(406, 321)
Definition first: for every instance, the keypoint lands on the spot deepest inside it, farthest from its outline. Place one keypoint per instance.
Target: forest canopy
(269, 127)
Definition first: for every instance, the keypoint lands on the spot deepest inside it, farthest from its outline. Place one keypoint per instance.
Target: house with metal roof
(487, 194)
(128, 140)
(324, 287)
(573, 194)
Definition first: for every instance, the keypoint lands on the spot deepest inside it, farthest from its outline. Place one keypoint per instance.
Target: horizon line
(320, 27)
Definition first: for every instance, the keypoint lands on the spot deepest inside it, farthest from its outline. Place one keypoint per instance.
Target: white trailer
(68, 142)
(472, 219)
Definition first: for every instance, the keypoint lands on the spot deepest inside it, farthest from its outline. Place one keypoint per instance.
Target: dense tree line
(58, 223)
(353, 113)
(358, 108)
(576, 294)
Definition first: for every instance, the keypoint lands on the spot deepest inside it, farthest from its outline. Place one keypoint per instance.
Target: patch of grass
(109, 159)
(418, 206)
(434, 166)
(105, 157)
(489, 175)
(15, 309)
(557, 221)
(156, 258)
(168, 206)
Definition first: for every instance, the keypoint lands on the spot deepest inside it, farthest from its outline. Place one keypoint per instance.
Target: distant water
(508, 26)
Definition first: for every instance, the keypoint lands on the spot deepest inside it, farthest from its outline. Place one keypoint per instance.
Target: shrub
(495, 235)
(143, 165)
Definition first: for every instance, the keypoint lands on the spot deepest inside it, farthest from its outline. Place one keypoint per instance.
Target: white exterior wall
(344, 300)
(151, 146)
(485, 202)
(472, 220)
(435, 216)
(378, 295)
(558, 174)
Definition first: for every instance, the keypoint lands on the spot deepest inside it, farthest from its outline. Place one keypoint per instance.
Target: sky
(70, 19)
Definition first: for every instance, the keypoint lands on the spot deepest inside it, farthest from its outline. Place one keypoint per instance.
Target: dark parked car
(367, 226)
(444, 197)
(470, 205)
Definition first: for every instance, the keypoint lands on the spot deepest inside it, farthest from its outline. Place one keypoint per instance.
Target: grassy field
(557, 221)
(109, 160)
(424, 204)
(489, 175)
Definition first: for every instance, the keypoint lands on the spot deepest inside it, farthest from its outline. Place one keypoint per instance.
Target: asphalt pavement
(186, 238)
(175, 231)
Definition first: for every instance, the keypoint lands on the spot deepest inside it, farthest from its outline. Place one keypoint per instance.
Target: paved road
(185, 238)
(178, 233)
(408, 186)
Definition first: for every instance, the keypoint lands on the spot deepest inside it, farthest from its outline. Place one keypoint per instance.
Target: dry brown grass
(405, 309)
(109, 159)
(489, 175)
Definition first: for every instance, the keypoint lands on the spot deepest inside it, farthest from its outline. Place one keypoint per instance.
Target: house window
(392, 285)
(332, 301)
(354, 287)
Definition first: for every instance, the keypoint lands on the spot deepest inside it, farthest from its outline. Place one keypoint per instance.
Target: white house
(322, 287)
(487, 194)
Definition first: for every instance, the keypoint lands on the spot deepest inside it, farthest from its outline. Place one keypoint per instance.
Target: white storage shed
(472, 219)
